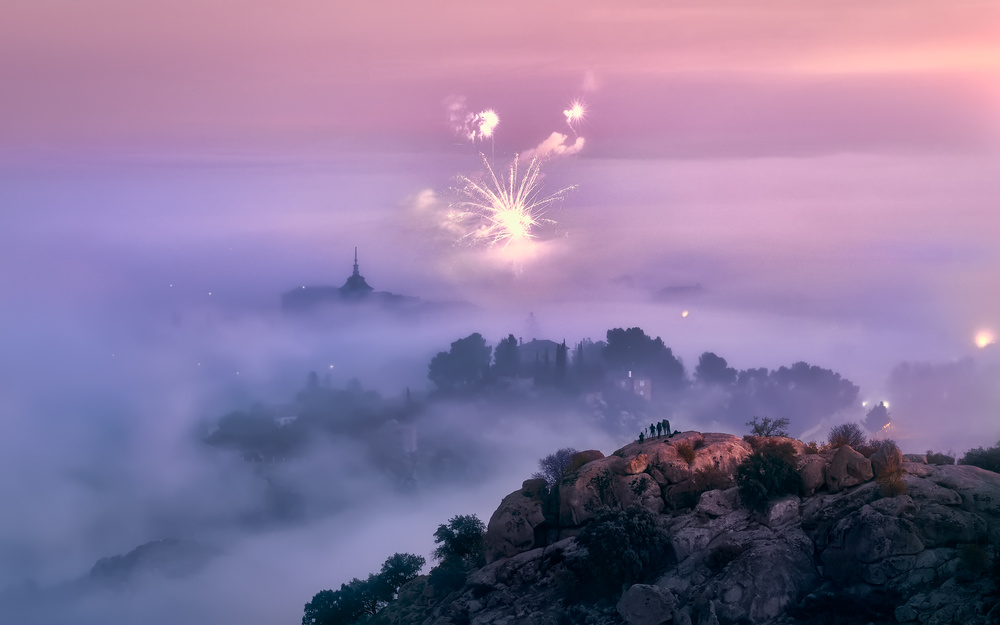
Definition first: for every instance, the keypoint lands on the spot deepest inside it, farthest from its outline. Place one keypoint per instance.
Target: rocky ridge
(887, 538)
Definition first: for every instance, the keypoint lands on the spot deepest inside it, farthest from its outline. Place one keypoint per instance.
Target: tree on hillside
(463, 365)
(877, 418)
(633, 350)
(767, 426)
(358, 600)
(507, 358)
(461, 548)
(800, 393)
(461, 539)
(552, 466)
(714, 370)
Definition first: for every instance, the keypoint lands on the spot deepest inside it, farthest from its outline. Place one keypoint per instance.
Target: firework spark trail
(507, 210)
(575, 114)
(471, 126)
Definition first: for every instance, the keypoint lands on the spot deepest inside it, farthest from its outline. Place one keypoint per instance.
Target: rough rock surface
(886, 461)
(848, 468)
(847, 541)
(511, 529)
(643, 604)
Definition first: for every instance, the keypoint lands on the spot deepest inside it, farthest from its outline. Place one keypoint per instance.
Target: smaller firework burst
(575, 114)
(506, 209)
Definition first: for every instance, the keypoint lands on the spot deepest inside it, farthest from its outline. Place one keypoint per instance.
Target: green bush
(985, 458)
(767, 473)
(623, 547)
(461, 547)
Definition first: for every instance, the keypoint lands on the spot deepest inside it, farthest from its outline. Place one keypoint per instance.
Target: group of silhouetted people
(657, 430)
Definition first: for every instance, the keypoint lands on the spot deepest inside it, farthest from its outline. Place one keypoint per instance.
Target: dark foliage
(714, 370)
(462, 540)
(985, 458)
(847, 434)
(877, 418)
(552, 466)
(623, 547)
(460, 548)
(633, 350)
(463, 365)
(802, 393)
(767, 473)
(448, 576)
(507, 358)
(766, 426)
(836, 608)
(358, 600)
(936, 458)
(398, 569)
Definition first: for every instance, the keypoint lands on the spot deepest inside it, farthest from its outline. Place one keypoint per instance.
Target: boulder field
(889, 534)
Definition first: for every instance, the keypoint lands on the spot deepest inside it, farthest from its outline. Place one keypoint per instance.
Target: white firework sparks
(575, 114)
(488, 120)
(506, 209)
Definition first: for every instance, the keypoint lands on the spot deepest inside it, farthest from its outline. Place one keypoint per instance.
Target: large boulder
(867, 536)
(847, 468)
(812, 472)
(643, 604)
(720, 452)
(581, 458)
(641, 490)
(511, 529)
(630, 465)
(749, 593)
(943, 526)
(888, 460)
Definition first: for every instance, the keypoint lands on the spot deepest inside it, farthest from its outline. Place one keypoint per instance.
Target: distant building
(355, 286)
(641, 386)
(357, 292)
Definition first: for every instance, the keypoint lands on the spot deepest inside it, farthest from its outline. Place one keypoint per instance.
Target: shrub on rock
(767, 473)
(623, 547)
(985, 458)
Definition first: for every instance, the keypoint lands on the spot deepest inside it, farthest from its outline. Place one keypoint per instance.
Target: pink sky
(794, 158)
(707, 77)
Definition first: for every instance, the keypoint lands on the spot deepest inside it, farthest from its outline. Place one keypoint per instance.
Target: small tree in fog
(877, 418)
(766, 426)
(847, 434)
(507, 358)
(552, 466)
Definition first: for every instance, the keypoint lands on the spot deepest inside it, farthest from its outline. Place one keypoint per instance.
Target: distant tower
(355, 285)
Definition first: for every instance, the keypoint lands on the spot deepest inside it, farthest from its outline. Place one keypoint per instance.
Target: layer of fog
(137, 312)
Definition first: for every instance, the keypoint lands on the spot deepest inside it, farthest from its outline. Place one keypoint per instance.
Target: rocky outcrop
(887, 461)
(847, 468)
(513, 526)
(643, 604)
(846, 542)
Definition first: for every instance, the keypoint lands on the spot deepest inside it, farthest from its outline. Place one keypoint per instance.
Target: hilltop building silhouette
(356, 286)
(357, 292)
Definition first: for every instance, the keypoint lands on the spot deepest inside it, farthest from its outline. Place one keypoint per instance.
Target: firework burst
(506, 209)
(575, 114)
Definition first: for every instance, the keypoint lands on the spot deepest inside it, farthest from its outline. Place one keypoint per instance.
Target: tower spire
(355, 261)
